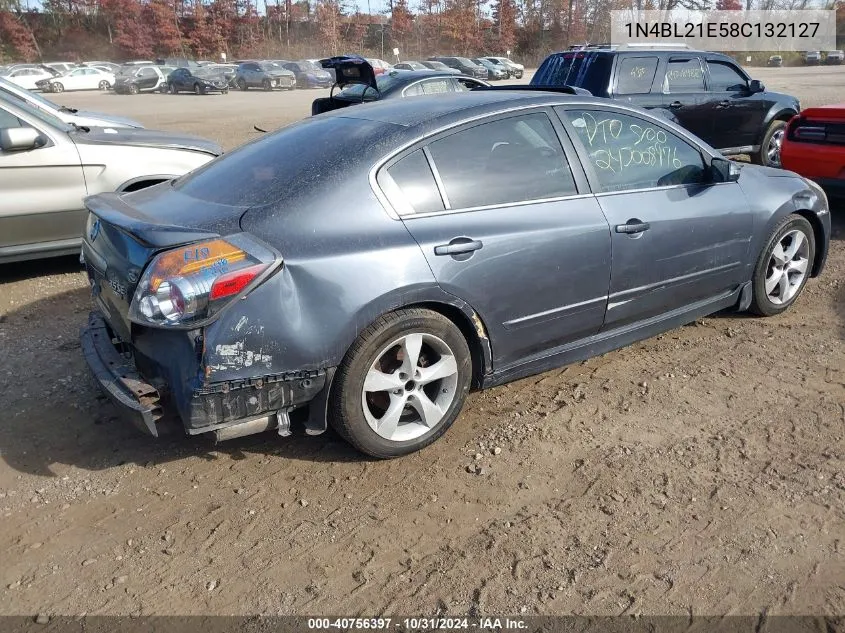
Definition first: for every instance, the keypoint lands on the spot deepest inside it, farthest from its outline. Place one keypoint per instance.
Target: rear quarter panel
(345, 264)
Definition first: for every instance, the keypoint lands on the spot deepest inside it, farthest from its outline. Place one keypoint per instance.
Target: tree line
(76, 30)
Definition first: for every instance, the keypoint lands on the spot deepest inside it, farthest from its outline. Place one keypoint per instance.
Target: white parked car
(79, 79)
(27, 77)
(69, 115)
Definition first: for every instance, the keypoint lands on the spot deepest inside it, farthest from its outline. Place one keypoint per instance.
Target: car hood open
(145, 138)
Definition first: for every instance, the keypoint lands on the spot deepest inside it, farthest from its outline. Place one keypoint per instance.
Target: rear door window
(683, 75)
(725, 78)
(635, 75)
(516, 159)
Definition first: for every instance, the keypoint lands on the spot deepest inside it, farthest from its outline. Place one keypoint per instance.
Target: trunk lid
(351, 69)
(124, 231)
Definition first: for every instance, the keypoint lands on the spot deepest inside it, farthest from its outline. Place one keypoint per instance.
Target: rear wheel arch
(471, 325)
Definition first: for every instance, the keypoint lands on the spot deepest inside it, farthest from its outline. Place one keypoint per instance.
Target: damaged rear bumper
(204, 407)
(137, 400)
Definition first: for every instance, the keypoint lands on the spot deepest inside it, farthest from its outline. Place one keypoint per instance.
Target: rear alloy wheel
(402, 384)
(769, 154)
(104, 85)
(57, 86)
(783, 267)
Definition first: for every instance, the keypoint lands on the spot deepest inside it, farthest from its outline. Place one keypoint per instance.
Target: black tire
(225, 91)
(172, 88)
(199, 90)
(345, 410)
(762, 157)
(57, 87)
(267, 85)
(242, 85)
(133, 89)
(761, 304)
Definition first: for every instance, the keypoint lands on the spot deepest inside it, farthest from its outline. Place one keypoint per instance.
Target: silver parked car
(72, 116)
(47, 168)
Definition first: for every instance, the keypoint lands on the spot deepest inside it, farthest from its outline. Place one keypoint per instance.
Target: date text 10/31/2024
(417, 624)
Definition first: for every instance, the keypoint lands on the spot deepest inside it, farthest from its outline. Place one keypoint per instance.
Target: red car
(814, 146)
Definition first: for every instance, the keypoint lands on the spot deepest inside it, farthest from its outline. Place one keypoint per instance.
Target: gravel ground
(697, 472)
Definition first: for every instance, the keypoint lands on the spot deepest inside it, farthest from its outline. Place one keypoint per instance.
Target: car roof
(431, 112)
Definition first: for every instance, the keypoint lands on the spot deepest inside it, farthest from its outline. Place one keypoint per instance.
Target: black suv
(707, 93)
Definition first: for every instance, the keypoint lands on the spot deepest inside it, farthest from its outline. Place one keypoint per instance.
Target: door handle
(632, 227)
(675, 105)
(724, 104)
(456, 247)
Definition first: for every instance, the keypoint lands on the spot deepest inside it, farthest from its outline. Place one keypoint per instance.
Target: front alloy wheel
(57, 87)
(104, 85)
(783, 267)
(402, 383)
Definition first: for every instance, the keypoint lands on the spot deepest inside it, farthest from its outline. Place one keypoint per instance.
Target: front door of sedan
(503, 225)
(677, 237)
(42, 190)
(179, 78)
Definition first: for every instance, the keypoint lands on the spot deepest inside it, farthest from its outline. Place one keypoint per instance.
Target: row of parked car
(812, 58)
(174, 76)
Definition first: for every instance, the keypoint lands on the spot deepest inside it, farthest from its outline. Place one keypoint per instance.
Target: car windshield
(306, 65)
(582, 69)
(269, 66)
(127, 71)
(438, 65)
(464, 61)
(384, 82)
(42, 115)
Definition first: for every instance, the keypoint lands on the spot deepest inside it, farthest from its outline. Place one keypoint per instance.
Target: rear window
(292, 161)
(587, 70)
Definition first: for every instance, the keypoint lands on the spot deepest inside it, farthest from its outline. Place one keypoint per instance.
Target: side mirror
(17, 139)
(755, 85)
(723, 170)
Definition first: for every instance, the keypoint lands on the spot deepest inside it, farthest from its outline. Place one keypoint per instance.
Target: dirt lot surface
(700, 472)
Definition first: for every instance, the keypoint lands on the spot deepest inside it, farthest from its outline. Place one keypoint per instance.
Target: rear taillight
(189, 285)
(805, 131)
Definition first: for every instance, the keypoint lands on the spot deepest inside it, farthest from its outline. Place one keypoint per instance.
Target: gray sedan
(368, 267)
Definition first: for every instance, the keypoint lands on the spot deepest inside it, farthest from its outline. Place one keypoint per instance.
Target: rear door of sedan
(502, 212)
(677, 236)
